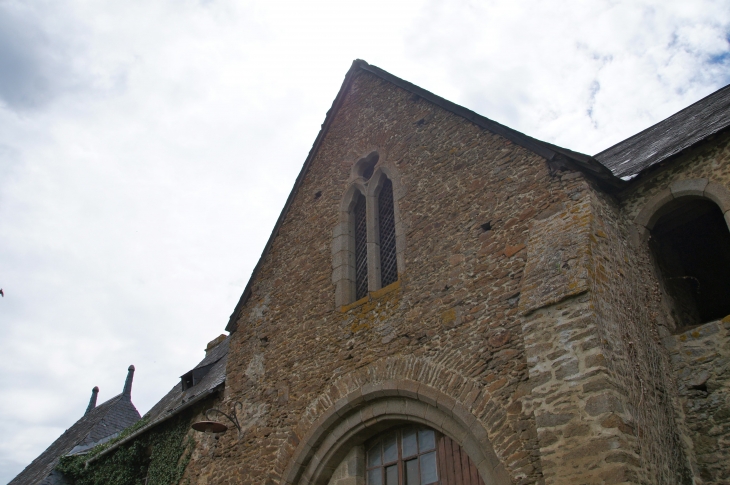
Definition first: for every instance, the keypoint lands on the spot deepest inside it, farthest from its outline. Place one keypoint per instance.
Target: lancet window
(366, 243)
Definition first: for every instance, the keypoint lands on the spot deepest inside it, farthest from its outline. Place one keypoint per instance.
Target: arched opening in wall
(691, 245)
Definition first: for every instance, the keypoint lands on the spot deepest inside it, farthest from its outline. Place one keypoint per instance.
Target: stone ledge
(373, 295)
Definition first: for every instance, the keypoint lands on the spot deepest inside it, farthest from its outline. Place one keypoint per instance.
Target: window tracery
(367, 241)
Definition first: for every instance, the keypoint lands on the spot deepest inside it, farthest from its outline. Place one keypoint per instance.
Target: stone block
(603, 403)
(551, 420)
(719, 194)
(652, 206)
(688, 187)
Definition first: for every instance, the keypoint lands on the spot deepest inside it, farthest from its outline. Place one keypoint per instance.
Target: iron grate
(361, 250)
(388, 264)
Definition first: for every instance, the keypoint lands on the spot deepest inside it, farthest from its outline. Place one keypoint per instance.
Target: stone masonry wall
(580, 412)
(701, 359)
(455, 306)
(711, 162)
(628, 307)
(636, 322)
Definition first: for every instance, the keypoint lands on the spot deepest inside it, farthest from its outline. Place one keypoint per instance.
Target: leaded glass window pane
(374, 456)
(409, 443)
(428, 468)
(391, 475)
(375, 476)
(386, 217)
(411, 471)
(361, 250)
(390, 449)
(426, 440)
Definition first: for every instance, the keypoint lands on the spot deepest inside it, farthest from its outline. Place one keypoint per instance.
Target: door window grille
(361, 253)
(386, 216)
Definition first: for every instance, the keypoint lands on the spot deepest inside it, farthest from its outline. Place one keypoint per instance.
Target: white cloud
(140, 181)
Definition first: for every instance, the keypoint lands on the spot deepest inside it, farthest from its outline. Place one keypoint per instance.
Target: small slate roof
(98, 424)
(176, 398)
(682, 130)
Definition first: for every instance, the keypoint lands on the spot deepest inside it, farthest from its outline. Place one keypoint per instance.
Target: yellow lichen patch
(385, 290)
(449, 316)
(355, 304)
(356, 327)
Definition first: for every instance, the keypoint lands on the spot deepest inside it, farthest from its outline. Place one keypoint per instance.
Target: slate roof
(104, 421)
(216, 376)
(177, 400)
(682, 130)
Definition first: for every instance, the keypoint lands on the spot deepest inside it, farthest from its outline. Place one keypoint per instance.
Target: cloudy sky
(147, 147)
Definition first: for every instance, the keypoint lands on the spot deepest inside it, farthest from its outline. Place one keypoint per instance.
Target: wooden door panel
(456, 466)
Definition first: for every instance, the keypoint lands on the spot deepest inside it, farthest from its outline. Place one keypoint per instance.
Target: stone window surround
(343, 241)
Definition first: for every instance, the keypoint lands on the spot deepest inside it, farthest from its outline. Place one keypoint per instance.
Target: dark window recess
(361, 250)
(194, 376)
(691, 245)
(386, 217)
(367, 165)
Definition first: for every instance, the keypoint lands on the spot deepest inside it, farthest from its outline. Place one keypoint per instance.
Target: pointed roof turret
(92, 401)
(127, 392)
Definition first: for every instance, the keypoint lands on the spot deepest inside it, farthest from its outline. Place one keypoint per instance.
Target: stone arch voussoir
(652, 210)
(388, 392)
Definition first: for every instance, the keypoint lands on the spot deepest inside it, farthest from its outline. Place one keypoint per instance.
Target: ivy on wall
(159, 455)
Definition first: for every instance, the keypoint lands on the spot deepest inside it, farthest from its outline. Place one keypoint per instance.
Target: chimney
(127, 392)
(214, 343)
(92, 401)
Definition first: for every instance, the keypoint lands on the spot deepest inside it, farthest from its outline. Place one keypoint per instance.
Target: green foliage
(161, 455)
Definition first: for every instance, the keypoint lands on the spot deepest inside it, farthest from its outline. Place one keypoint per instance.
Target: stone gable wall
(537, 342)
(456, 303)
